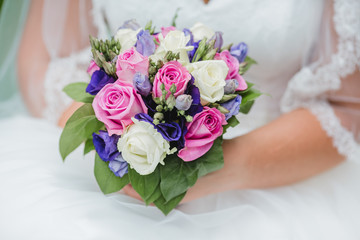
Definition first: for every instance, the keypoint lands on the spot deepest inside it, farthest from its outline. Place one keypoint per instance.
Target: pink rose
(166, 30)
(171, 72)
(233, 65)
(92, 67)
(201, 134)
(116, 104)
(130, 62)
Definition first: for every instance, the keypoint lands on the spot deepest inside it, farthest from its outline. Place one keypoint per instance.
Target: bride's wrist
(236, 160)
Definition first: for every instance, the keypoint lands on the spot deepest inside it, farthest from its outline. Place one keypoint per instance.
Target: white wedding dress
(300, 64)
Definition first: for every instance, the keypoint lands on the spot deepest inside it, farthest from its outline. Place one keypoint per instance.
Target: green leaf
(78, 129)
(154, 196)
(77, 91)
(173, 22)
(251, 95)
(177, 176)
(212, 160)
(248, 63)
(106, 179)
(245, 108)
(232, 122)
(89, 146)
(249, 86)
(167, 206)
(144, 185)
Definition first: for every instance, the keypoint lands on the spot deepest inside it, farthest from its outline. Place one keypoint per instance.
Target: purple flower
(187, 32)
(118, 166)
(106, 146)
(145, 43)
(239, 51)
(142, 84)
(132, 24)
(192, 52)
(183, 102)
(233, 106)
(169, 131)
(194, 92)
(98, 80)
(218, 40)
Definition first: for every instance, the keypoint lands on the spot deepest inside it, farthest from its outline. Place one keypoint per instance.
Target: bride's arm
(292, 148)
(39, 39)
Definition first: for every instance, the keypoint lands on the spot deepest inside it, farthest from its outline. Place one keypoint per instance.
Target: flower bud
(159, 116)
(183, 102)
(230, 86)
(170, 102)
(218, 40)
(172, 88)
(131, 24)
(142, 84)
(159, 108)
(189, 118)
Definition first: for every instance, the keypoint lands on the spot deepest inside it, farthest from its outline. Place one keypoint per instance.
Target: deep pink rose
(130, 62)
(171, 72)
(116, 104)
(166, 30)
(233, 65)
(92, 67)
(201, 134)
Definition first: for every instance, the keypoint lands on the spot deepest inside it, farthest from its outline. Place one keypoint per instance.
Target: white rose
(201, 31)
(126, 37)
(174, 41)
(143, 147)
(209, 78)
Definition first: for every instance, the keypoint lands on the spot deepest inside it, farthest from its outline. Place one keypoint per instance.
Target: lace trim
(61, 72)
(328, 77)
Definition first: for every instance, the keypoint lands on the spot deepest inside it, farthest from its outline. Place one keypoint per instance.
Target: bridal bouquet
(156, 108)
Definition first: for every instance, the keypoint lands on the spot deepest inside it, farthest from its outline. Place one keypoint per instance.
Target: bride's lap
(43, 196)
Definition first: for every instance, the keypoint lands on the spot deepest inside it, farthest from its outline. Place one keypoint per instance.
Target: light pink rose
(202, 132)
(116, 104)
(92, 67)
(233, 65)
(130, 62)
(171, 72)
(166, 30)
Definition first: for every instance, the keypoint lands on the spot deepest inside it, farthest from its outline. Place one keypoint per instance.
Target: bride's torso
(279, 34)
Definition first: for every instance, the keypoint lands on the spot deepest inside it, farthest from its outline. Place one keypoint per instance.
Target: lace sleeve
(319, 86)
(61, 72)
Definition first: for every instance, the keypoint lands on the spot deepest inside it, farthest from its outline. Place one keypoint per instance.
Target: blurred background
(13, 14)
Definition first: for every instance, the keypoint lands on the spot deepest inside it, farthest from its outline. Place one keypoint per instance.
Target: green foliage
(106, 179)
(89, 146)
(167, 206)
(144, 185)
(77, 91)
(245, 66)
(232, 122)
(167, 185)
(78, 129)
(173, 22)
(248, 98)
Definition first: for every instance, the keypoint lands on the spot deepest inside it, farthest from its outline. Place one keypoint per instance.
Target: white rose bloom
(143, 147)
(174, 41)
(201, 31)
(209, 78)
(126, 37)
